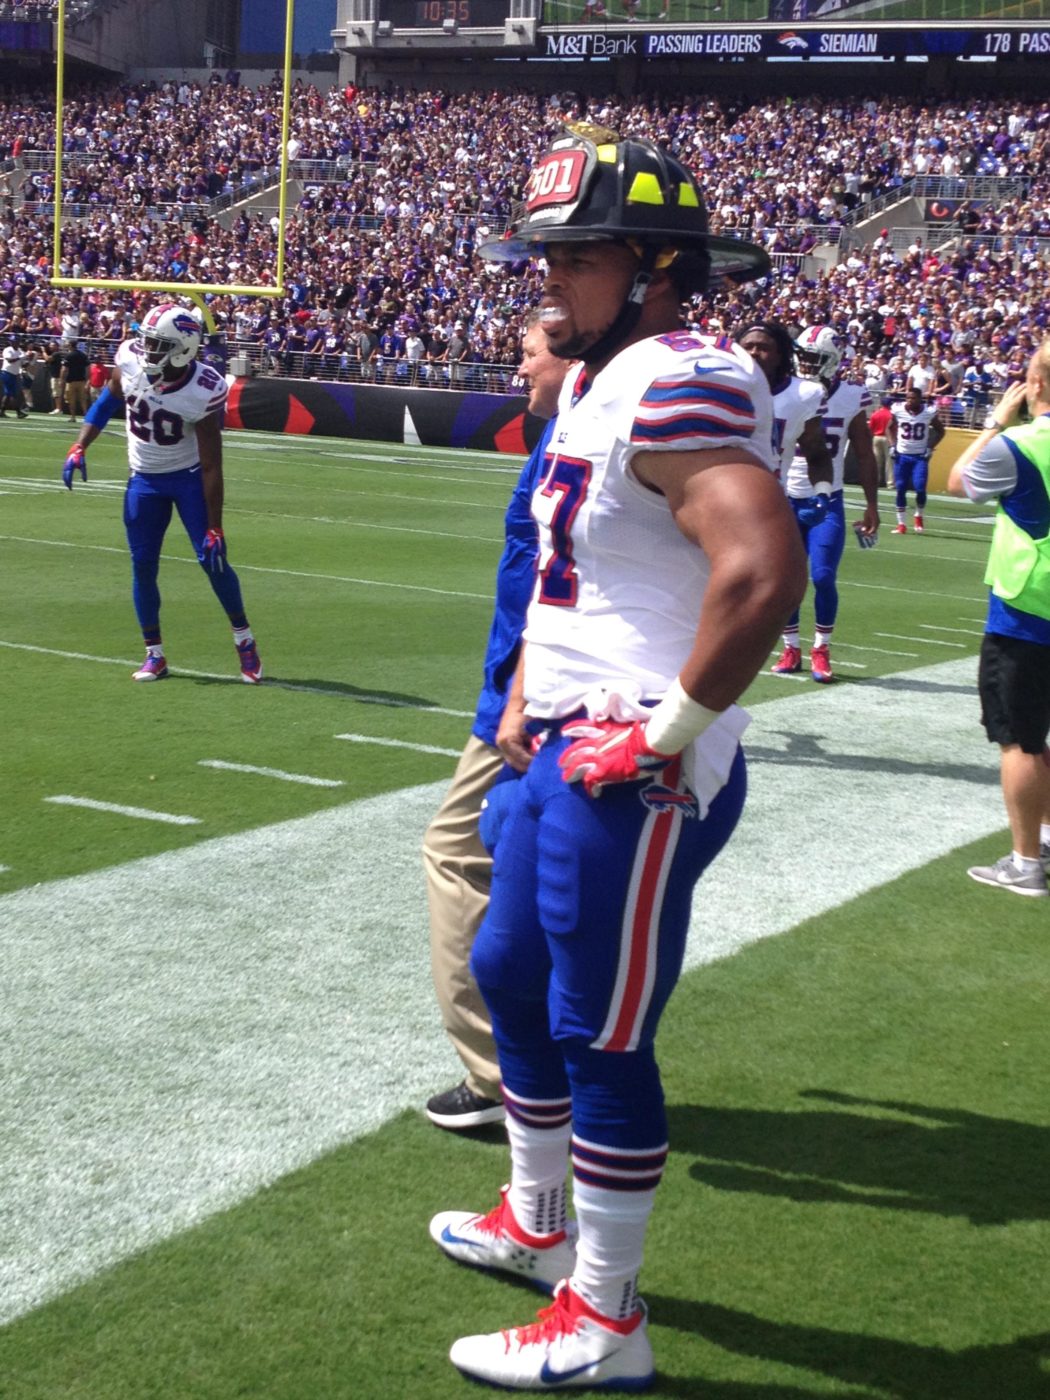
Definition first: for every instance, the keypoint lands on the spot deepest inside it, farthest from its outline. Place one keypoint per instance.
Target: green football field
(217, 1027)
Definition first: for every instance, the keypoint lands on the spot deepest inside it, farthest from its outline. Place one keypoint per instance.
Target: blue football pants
(824, 545)
(585, 935)
(148, 503)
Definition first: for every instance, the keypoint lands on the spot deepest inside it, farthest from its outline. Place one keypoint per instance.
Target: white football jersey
(842, 404)
(161, 415)
(793, 406)
(619, 588)
(913, 430)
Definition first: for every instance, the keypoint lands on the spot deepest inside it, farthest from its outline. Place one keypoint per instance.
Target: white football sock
(539, 1162)
(610, 1247)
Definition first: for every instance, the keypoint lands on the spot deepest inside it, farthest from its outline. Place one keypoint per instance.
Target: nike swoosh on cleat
(449, 1238)
(552, 1377)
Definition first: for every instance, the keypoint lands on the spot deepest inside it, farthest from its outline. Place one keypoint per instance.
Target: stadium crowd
(398, 186)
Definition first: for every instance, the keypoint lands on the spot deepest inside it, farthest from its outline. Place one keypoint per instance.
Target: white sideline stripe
(277, 1002)
(270, 684)
(923, 641)
(4, 869)
(397, 744)
(262, 569)
(145, 814)
(270, 773)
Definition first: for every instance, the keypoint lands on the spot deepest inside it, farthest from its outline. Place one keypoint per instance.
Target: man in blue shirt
(1009, 462)
(458, 866)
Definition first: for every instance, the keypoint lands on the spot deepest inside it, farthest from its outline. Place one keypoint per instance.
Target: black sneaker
(459, 1108)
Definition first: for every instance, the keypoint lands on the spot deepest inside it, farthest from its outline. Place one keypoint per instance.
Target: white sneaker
(569, 1344)
(497, 1241)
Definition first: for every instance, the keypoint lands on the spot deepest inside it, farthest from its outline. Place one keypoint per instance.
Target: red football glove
(608, 752)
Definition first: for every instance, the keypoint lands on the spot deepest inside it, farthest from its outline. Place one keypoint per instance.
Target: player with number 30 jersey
(173, 405)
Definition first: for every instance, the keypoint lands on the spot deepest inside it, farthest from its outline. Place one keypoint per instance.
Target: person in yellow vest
(1009, 462)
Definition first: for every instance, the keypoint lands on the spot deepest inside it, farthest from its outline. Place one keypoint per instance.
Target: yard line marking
(335, 689)
(284, 573)
(140, 813)
(496, 505)
(881, 651)
(270, 773)
(923, 641)
(899, 588)
(362, 525)
(397, 744)
(962, 631)
(4, 869)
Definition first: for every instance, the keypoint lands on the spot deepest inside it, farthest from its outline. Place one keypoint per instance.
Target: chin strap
(626, 318)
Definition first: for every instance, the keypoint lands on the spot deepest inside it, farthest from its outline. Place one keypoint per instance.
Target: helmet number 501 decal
(556, 180)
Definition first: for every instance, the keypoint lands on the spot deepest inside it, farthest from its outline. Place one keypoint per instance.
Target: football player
(798, 434)
(914, 431)
(822, 520)
(174, 406)
(668, 561)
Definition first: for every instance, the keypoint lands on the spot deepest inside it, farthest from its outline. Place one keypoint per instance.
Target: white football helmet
(168, 335)
(819, 351)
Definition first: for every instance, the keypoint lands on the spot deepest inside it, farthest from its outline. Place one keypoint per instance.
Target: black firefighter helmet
(590, 186)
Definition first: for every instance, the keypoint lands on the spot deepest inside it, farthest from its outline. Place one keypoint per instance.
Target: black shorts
(1014, 685)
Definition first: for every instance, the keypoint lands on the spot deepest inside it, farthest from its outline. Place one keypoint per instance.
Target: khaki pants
(881, 447)
(458, 873)
(76, 397)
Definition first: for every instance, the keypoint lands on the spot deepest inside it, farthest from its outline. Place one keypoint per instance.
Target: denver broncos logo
(664, 799)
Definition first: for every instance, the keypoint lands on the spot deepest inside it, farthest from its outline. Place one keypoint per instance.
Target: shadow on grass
(393, 700)
(912, 1157)
(916, 685)
(811, 751)
(893, 1368)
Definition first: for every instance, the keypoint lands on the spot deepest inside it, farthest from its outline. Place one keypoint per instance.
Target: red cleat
(820, 665)
(789, 663)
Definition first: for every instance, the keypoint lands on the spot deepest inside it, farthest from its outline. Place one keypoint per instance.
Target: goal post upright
(197, 292)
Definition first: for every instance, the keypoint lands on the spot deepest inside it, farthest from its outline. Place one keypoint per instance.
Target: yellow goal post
(195, 291)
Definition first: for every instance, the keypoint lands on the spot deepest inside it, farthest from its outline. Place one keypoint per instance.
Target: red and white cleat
(820, 665)
(569, 1344)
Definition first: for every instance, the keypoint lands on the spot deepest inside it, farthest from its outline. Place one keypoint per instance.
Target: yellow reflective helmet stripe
(645, 189)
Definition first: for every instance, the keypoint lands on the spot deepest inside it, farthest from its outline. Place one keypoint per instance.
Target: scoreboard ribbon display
(831, 42)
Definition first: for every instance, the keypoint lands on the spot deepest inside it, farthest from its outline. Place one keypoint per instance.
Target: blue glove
(75, 462)
(214, 552)
(811, 511)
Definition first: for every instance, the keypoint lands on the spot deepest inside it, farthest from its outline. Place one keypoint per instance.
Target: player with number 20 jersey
(173, 405)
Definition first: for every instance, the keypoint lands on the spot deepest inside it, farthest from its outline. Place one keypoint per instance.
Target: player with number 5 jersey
(173, 405)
